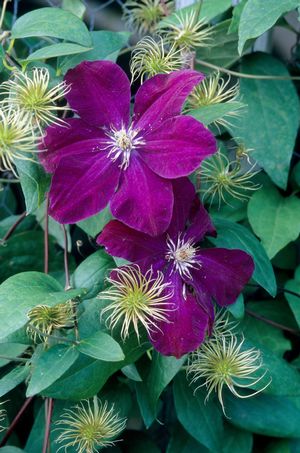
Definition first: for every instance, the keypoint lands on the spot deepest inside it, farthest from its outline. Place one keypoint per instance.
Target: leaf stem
(272, 323)
(50, 403)
(9, 181)
(12, 228)
(46, 237)
(54, 337)
(15, 421)
(245, 75)
(66, 262)
(13, 359)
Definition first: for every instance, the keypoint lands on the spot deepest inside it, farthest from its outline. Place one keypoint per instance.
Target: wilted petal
(223, 273)
(100, 93)
(177, 147)
(59, 141)
(162, 97)
(201, 223)
(82, 185)
(188, 323)
(124, 242)
(144, 201)
(184, 194)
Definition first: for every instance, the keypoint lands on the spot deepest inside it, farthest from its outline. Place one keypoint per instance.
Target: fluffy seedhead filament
(221, 363)
(17, 138)
(89, 426)
(222, 179)
(3, 415)
(187, 31)
(142, 16)
(136, 298)
(43, 320)
(151, 57)
(31, 92)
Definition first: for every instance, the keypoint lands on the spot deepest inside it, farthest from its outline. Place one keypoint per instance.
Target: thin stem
(46, 237)
(54, 337)
(126, 50)
(5, 2)
(48, 424)
(272, 323)
(15, 421)
(245, 75)
(280, 288)
(66, 261)
(13, 359)
(12, 228)
(9, 181)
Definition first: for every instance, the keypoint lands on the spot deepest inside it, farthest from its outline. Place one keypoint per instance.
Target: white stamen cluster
(183, 254)
(121, 143)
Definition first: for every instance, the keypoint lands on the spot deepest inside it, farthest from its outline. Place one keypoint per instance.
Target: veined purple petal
(188, 323)
(82, 185)
(124, 242)
(162, 97)
(201, 223)
(184, 194)
(177, 147)
(63, 141)
(100, 93)
(144, 201)
(223, 273)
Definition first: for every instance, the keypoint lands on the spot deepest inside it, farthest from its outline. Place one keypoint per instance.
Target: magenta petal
(100, 93)
(144, 201)
(223, 273)
(82, 185)
(162, 97)
(59, 140)
(124, 242)
(187, 327)
(201, 223)
(177, 147)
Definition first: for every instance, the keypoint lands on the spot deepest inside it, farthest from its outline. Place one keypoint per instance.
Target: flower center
(183, 254)
(121, 142)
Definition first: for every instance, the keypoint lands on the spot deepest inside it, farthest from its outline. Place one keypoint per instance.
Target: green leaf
(236, 16)
(74, 6)
(209, 10)
(238, 308)
(274, 219)
(294, 301)
(258, 16)
(234, 236)
(264, 414)
(181, 442)
(236, 440)
(20, 293)
(94, 224)
(280, 446)
(56, 50)
(8, 202)
(11, 450)
(12, 379)
(216, 112)
(101, 346)
(106, 45)
(161, 372)
(25, 252)
(50, 366)
(131, 372)
(202, 421)
(92, 272)
(224, 51)
(11, 350)
(34, 182)
(269, 125)
(54, 22)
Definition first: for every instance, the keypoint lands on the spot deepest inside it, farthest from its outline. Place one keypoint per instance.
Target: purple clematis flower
(104, 156)
(197, 275)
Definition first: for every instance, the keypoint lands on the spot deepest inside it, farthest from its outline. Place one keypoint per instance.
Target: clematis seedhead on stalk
(199, 276)
(105, 156)
(142, 16)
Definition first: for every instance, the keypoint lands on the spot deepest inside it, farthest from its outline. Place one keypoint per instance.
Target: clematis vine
(106, 157)
(198, 276)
